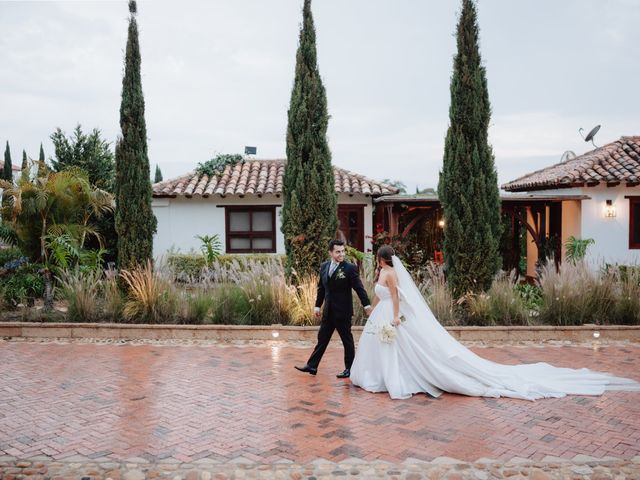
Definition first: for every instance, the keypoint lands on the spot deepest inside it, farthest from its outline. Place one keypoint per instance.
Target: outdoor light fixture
(441, 223)
(609, 209)
(596, 334)
(275, 334)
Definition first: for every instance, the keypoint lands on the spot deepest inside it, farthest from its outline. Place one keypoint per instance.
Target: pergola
(539, 213)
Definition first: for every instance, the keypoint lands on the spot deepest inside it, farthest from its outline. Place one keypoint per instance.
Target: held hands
(368, 309)
(396, 321)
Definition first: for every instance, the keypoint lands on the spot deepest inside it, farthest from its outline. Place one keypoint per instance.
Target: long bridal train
(424, 357)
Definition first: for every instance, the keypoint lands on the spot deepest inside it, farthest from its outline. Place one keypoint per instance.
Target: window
(251, 229)
(634, 222)
(351, 225)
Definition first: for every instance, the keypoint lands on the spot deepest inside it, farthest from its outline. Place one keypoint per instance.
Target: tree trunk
(48, 291)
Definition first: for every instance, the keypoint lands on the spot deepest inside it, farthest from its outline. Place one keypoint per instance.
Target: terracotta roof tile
(14, 167)
(260, 177)
(616, 162)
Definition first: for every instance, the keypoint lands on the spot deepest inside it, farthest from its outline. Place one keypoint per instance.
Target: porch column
(571, 222)
(393, 220)
(532, 248)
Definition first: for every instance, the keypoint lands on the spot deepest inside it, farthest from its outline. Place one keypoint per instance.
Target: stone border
(226, 333)
(550, 468)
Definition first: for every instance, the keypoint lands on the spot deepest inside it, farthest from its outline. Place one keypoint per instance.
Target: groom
(337, 278)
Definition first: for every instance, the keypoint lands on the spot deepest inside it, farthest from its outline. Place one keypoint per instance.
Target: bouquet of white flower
(387, 333)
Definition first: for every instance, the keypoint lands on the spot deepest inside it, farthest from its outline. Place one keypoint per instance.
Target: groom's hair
(335, 243)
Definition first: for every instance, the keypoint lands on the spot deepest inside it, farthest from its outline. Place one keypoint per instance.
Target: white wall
(610, 234)
(181, 219)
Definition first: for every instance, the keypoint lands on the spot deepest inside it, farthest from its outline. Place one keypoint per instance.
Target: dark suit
(335, 293)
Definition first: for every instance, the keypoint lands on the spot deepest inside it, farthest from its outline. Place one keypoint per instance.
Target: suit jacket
(335, 291)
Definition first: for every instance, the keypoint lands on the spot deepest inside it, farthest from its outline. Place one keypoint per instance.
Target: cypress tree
(7, 171)
(135, 222)
(42, 164)
(158, 177)
(468, 187)
(309, 212)
(25, 162)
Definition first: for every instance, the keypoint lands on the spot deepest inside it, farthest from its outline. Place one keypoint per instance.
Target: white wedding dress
(424, 357)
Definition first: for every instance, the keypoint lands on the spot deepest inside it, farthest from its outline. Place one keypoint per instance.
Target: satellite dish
(568, 155)
(590, 135)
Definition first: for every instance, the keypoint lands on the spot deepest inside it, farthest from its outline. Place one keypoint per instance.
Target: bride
(404, 350)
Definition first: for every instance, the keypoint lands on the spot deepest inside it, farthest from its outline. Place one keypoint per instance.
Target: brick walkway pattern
(247, 404)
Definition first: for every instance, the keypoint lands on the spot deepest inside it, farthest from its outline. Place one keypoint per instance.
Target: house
(595, 195)
(242, 206)
(15, 168)
(605, 183)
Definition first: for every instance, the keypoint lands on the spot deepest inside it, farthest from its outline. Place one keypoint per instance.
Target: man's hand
(317, 312)
(368, 309)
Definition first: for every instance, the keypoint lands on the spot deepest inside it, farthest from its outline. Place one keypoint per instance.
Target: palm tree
(49, 211)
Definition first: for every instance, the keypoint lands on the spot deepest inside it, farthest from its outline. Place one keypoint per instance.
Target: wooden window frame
(250, 234)
(633, 200)
(361, 209)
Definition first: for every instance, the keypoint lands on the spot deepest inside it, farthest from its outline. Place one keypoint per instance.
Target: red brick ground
(233, 402)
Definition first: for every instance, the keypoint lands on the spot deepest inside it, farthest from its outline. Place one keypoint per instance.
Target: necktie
(332, 268)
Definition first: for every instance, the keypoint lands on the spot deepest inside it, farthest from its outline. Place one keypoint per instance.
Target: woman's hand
(396, 322)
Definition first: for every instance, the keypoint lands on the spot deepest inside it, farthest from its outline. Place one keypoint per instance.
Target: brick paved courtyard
(248, 404)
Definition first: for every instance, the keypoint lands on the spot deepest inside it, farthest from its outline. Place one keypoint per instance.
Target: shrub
(186, 267)
(431, 282)
(574, 295)
(113, 299)
(195, 306)
(191, 267)
(627, 306)
(11, 256)
(81, 289)
(151, 297)
(23, 286)
(531, 296)
(300, 301)
(500, 305)
(230, 305)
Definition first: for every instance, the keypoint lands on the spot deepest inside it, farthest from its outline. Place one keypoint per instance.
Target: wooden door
(351, 225)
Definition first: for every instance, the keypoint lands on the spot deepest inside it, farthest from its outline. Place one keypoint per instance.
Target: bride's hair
(385, 253)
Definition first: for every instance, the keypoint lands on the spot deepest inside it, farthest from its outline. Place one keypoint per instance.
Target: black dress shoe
(345, 374)
(307, 369)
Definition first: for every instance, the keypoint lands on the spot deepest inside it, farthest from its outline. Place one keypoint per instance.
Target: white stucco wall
(181, 219)
(610, 234)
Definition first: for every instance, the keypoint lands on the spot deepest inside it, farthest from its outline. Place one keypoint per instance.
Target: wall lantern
(441, 223)
(609, 209)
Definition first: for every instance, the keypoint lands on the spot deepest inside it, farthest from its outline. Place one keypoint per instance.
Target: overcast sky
(217, 76)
